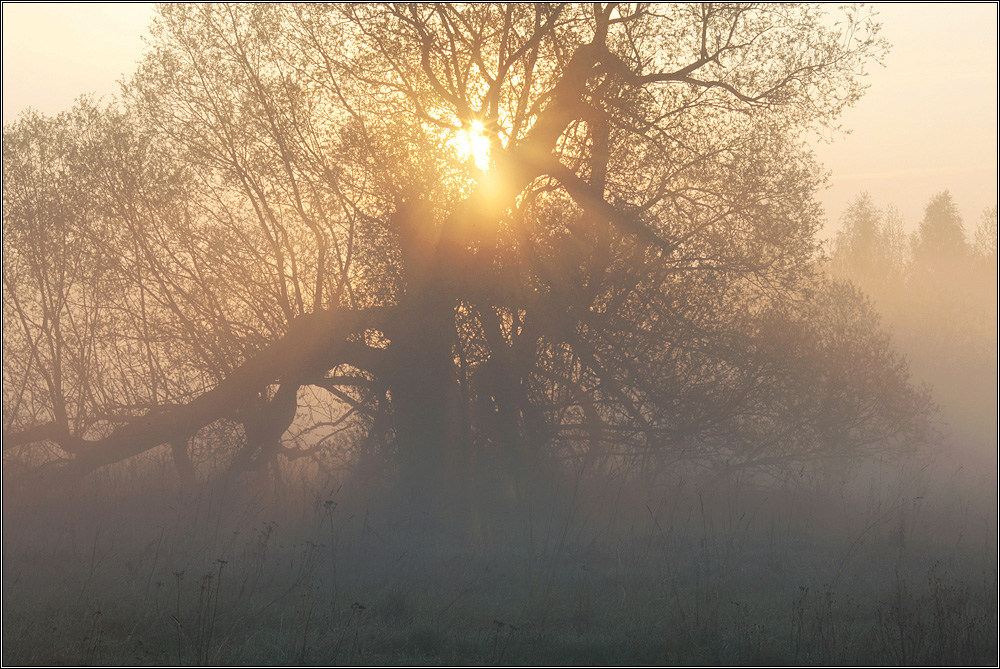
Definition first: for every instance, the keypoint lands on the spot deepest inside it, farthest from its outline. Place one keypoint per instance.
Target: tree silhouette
(870, 247)
(986, 237)
(940, 238)
(291, 222)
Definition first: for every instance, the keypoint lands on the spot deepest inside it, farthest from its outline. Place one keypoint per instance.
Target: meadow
(893, 568)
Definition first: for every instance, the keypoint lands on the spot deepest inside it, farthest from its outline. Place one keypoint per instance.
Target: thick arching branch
(313, 344)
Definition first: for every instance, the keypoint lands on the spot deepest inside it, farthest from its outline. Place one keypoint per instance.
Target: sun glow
(474, 144)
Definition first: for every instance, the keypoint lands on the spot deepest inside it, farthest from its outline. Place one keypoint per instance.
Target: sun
(474, 145)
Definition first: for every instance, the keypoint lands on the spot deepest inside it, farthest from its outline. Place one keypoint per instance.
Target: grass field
(896, 570)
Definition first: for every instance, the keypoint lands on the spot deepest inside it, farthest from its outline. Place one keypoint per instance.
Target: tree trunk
(428, 415)
(427, 407)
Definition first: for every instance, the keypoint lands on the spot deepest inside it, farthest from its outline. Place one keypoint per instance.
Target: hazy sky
(928, 122)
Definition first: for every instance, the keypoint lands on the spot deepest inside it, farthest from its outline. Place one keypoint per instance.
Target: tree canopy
(870, 248)
(938, 296)
(453, 239)
(940, 237)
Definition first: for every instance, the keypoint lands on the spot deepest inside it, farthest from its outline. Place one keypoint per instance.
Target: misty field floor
(885, 572)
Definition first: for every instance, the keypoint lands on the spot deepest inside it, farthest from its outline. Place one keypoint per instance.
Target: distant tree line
(937, 287)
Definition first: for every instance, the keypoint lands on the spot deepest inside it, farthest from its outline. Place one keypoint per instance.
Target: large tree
(470, 236)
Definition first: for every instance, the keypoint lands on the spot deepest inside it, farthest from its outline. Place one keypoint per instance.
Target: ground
(888, 570)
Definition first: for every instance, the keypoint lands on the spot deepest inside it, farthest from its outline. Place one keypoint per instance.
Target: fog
(491, 335)
(935, 289)
(898, 569)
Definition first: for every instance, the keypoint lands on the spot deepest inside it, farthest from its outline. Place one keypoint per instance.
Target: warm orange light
(474, 144)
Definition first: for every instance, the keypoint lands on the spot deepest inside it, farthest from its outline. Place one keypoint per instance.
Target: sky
(927, 123)
(929, 119)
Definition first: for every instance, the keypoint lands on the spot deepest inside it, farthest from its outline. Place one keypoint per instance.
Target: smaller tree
(985, 242)
(985, 250)
(947, 319)
(870, 248)
(940, 240)
(856, 246)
